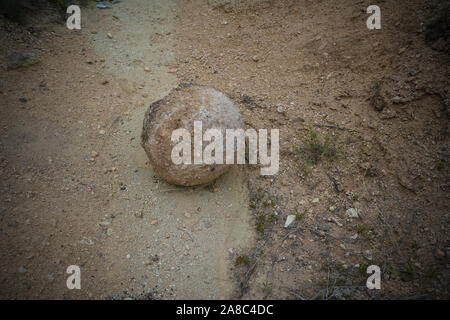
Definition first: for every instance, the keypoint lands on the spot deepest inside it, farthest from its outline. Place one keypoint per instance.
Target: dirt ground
(76, 187)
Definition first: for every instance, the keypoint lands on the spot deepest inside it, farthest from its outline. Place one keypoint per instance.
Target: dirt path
(131, 234)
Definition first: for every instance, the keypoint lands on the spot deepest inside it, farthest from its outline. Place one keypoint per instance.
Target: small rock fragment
(368, 255)
(440, 253)
(352, 213)
(280, 109)
(20, 59)
(290, 218)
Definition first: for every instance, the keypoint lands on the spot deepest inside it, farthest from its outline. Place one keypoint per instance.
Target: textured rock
(352, 213)
(179, 109)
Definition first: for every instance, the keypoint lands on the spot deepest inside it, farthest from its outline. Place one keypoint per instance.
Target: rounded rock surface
(179, 109)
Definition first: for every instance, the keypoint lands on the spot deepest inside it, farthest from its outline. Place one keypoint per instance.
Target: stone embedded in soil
(20, 59)
(179, 109)
(352, 213)
(440, 253)
(22, 270)
(289, 220)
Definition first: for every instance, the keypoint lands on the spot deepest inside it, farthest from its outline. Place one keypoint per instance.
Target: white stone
(290, 218)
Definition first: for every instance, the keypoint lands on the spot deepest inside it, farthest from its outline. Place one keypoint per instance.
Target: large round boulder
(179, 109)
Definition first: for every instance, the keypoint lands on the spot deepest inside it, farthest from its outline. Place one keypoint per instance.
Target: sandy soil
(313, 67)
(76, 187)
